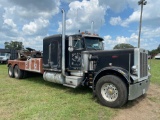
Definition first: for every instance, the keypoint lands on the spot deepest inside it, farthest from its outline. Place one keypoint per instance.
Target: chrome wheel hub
(109, 92)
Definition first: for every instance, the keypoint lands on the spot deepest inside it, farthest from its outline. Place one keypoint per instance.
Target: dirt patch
(147, 107)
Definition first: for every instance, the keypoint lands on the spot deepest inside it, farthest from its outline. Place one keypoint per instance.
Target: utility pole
(141, 2)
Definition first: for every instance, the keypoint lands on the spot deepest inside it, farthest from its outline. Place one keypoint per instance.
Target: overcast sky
(117, 21)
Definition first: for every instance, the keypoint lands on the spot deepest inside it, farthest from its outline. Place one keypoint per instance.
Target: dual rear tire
(10, 71)
(16, 72)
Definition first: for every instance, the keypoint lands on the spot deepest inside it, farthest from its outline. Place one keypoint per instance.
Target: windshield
(2, 54)
(93, 43)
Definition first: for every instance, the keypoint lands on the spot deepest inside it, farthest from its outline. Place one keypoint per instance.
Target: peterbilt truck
(115, 76)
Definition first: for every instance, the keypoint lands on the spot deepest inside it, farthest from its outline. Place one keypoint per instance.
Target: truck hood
(109, 58)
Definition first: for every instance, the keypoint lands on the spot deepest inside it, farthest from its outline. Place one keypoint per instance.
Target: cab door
(75, 55)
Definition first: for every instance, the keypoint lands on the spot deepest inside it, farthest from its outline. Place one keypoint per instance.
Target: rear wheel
(18, 73)
(111, 91)
(10, 71)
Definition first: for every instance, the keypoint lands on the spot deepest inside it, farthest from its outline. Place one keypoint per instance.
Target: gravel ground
(146, 107)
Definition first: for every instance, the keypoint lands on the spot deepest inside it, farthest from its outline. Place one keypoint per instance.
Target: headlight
(135, 70)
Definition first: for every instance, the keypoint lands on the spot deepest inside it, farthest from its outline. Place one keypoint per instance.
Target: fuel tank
(53, 77)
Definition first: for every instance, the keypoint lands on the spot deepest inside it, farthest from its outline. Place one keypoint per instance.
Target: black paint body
(56, 52)
(117, 58)
(106, 58)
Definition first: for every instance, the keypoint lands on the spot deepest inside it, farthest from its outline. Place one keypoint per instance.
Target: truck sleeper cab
(115, 76)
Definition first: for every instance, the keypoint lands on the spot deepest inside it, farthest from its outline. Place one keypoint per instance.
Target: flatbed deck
(31, 65)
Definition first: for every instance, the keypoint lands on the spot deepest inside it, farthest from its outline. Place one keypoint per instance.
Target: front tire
(111, 91)
(18, 73)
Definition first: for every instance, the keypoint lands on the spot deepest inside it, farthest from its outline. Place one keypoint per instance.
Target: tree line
(19, 46)
(125, 46)
(155, 51)
(14, 45)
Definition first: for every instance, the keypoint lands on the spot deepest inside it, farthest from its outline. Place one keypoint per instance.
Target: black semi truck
(115, 76)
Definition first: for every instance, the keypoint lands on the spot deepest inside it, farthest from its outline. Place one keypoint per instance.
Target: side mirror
(70, 47)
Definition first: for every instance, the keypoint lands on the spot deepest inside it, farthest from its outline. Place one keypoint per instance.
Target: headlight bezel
(134, 70)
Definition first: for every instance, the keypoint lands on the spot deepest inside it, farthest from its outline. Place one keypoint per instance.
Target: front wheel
(111, 91)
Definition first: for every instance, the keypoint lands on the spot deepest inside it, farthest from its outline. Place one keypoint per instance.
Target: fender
(112, 71)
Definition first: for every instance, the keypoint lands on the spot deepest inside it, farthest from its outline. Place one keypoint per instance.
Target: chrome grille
(143, 65)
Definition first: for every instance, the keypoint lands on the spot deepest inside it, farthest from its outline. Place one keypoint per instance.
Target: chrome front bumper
(138, 89)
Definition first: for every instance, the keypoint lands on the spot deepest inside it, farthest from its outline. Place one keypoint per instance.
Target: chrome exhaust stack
(63, 41)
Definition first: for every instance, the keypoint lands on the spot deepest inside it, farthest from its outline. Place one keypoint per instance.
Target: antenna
(92, 27)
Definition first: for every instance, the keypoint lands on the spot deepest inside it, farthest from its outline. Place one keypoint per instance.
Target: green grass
(34, 98)
(155, 71)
